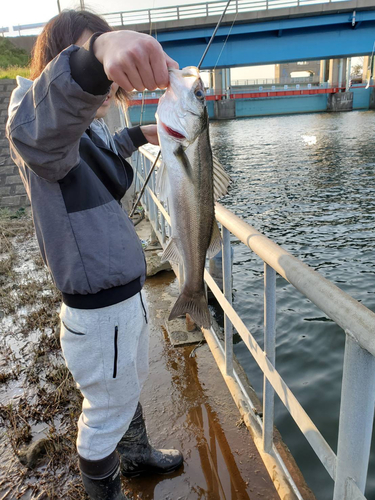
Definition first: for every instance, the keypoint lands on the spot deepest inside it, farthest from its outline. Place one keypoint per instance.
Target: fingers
(171, 63)
(134, 60)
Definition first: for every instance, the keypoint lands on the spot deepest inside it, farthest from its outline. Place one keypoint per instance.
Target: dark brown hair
(62, 31)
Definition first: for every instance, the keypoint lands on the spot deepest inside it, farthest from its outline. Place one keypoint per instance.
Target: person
(75, 175)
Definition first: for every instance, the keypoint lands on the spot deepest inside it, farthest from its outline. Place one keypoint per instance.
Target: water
(308, 183)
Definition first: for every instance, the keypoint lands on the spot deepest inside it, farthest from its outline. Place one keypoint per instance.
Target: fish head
(182, 114)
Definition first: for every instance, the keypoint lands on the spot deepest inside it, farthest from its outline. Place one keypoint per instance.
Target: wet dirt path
(188, 406)
(185, 400)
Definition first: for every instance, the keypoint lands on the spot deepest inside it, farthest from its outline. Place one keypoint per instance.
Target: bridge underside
(327, 36)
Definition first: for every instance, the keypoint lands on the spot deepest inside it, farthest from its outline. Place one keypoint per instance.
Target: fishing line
(159, 153)
(230, 31)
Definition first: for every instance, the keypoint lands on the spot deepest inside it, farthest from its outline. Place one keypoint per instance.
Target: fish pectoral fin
(215, 243)
(171, 253)
(221, 179)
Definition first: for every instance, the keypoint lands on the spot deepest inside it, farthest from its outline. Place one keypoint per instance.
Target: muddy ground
(39, 404)
(186, 402)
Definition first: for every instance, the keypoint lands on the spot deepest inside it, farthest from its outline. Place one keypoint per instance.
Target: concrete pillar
(337, 72)
(323, 75)
(211, 79)
(228, 82)
(366, 69)
(348, 71)
(218, 80)
(277, 72)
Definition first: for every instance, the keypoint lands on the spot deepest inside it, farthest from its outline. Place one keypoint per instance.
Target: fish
(191, 180)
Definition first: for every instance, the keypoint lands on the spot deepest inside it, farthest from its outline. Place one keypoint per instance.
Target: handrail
(352, 316)
(348, 468)
(190, 11)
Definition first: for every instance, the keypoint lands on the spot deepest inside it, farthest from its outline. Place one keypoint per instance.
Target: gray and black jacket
(75, 181)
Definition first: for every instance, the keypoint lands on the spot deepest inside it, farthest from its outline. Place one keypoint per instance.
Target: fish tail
(194, 304)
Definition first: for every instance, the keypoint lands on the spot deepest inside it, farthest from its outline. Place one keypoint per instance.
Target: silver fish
(187, 178)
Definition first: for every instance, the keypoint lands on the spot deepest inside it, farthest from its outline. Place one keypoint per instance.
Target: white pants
(106, 350)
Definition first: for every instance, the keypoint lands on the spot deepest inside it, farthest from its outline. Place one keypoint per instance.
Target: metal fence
(190, 11)
(348, 468)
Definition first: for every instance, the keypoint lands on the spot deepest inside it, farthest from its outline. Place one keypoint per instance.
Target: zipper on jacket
(116, 354)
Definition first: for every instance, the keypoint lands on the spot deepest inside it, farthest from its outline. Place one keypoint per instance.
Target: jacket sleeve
(44, 130)
(129, 140)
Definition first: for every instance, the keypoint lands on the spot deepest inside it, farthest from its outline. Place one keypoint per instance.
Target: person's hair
(62, 31)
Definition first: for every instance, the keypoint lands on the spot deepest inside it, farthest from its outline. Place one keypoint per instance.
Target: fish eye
(199, 94)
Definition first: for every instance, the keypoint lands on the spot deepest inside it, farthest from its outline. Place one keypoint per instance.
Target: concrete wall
(372, 99)
(12, 192)
(361, 97)
(342, 101)
(281, 105)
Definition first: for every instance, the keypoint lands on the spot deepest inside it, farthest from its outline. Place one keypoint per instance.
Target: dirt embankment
(39, 403)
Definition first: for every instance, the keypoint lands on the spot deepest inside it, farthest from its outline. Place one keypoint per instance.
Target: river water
(308, 183)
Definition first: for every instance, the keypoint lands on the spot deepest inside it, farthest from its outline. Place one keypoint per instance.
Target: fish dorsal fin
(162, 182)
(221, 179)
(215, 243)
(171, 253)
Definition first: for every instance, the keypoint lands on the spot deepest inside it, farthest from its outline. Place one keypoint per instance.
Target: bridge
(256, 31)
(259, 31)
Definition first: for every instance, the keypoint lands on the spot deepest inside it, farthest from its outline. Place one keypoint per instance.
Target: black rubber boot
(138, 456)
(101, 478)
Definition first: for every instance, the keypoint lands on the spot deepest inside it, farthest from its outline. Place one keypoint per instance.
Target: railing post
(269, 349)
(122, 19)
(178, 12)
(149, 15)
(227, 288)
(207, 9)
(154, 207)
(356, 417)
(162, 224)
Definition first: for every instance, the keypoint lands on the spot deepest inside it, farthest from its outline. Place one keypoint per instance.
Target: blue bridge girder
(327, 36)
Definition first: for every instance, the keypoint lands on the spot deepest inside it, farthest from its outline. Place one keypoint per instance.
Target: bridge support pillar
(337, 72)
(221, 78)
(367, 63)
(324, 72)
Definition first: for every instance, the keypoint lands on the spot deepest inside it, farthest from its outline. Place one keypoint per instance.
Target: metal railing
(190, 11)
(348, 468)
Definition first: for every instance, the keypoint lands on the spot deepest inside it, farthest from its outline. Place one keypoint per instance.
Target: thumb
(171, 63)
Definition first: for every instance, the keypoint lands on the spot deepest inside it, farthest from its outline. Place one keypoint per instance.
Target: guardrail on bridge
(348, 468)
(190, 11)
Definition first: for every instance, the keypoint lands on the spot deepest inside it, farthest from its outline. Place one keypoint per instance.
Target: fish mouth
(172, 132)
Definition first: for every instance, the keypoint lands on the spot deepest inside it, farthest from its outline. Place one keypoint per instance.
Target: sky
(15, 12)
(20, 12)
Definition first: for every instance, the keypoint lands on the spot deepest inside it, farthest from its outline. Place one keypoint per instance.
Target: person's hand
(133, 60)
(151, 134)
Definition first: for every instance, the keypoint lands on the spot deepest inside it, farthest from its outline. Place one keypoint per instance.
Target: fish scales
(187, 180)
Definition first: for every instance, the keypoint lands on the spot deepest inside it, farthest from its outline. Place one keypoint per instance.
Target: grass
(11, 72)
